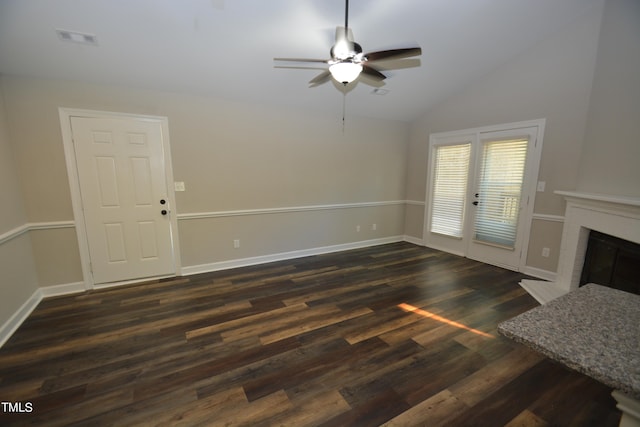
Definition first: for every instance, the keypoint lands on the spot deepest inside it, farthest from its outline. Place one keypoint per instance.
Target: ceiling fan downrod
(346, 18)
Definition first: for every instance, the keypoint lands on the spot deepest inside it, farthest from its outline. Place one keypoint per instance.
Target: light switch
(178, 185)
(541, 185)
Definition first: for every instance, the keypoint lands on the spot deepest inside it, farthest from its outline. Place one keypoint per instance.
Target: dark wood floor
(395, 334)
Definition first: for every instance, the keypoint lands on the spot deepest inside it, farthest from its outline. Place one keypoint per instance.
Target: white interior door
(123, 186)
(480, 192)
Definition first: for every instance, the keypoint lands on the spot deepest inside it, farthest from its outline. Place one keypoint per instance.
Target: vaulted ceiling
(225, 48)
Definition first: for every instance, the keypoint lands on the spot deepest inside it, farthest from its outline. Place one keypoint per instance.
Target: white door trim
(529, 187)
(74, 184)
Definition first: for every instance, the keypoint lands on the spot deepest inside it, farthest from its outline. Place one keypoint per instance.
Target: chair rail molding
(30, 226)
(287, 209)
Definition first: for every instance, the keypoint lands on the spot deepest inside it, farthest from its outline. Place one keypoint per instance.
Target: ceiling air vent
(76, 37)
(380, 92)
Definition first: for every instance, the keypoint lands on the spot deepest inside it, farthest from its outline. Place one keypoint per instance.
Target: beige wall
(56, 255)
(12, 211)
(18, 279)
(611, 156)
(280, 233)
(552, 80)
(231, 156)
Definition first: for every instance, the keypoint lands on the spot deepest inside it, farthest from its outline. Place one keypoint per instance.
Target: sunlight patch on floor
(416, 310)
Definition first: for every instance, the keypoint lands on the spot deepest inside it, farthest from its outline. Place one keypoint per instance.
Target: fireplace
(612, 262)
(615, 216)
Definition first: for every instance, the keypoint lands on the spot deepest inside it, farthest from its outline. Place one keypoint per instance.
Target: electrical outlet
(357, 228)
(374, 227)
(545, 252)
(236, 244)
(178, 185)
(541, 186)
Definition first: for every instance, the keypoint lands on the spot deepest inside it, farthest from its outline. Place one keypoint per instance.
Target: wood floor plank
(527, 418)
(246, 322)
(319, 321)
(301, 365)
(394, 334)
(70, 412)
(504, 404)
(387, 321)
(206, 373)
(254, 413)
(202, 411)
(142, 411)
(475, 387)
(310, 412)
(380, 404)
(324, 292)
(280, 320)
(434, 411)
(343, 367)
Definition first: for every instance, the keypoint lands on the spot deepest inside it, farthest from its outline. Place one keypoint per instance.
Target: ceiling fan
(347, 61)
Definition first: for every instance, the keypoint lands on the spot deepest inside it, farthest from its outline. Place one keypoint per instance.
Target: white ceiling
(225, 48)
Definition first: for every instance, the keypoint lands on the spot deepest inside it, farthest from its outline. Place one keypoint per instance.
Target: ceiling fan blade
(397, 64)
(325, 61)
(372, 72)
(294, 67)
(320, 78)
(393, 54)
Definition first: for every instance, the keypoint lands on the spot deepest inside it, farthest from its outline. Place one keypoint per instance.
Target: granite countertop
(593, 329)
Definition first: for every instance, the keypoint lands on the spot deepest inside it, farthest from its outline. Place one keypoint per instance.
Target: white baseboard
(447, 250)
(415, 240)
(244, 262)
(539, 273)
(66, 289)
(542, 291)
(14, 322)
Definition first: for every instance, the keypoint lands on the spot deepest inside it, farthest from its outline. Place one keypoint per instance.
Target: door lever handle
(475, 203)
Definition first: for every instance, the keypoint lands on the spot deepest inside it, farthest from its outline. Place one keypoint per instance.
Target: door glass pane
(449, 190)
(499, 191)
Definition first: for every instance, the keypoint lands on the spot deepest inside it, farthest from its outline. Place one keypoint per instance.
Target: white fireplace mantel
(603, 199)
(614, 215)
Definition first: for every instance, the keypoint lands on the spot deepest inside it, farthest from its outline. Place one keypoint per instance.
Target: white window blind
(450, 188)
(499, 192)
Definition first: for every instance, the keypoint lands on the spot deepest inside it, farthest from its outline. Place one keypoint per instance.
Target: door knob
(163, 201)
(475, 203)
(163, 211)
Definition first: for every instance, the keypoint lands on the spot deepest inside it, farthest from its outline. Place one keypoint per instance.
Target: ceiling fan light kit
(345, 72)
(347, 61)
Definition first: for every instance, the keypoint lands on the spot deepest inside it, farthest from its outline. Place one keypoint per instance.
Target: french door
(480, 192)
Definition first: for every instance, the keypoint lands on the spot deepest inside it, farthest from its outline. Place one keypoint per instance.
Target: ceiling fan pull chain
(344, 108)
